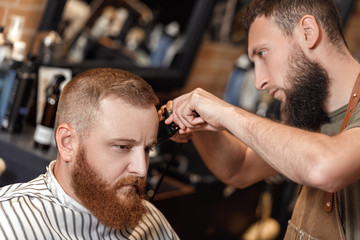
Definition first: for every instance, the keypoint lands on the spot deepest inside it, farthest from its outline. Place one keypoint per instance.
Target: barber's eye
(148, 149)
(261, 53)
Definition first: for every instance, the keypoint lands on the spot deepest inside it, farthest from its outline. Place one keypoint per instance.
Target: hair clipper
(166, 131)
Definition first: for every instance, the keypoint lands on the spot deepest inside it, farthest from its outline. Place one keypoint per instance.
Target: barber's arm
(309, 158)
(225, 155)
(229, 159)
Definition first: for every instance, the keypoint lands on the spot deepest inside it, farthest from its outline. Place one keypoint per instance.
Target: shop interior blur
(175, 46)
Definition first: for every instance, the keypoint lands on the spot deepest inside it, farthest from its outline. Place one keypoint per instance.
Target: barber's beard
(307, 94)
(103, 199)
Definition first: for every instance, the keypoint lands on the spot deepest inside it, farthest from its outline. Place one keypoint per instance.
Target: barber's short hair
(79, 103)
(287, 13)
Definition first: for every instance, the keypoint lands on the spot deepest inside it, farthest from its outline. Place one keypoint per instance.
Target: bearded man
(301, 58)
(106, 125)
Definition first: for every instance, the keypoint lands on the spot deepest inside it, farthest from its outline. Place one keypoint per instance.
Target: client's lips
(130, 184)
(127, 187)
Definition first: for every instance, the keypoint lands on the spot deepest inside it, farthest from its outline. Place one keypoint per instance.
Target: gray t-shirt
(348, 198)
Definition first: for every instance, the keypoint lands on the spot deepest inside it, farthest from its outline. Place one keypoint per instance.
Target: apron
(311, 221)
(316, 213)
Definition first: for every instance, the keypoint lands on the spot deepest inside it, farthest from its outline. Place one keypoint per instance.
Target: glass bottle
(44, 131)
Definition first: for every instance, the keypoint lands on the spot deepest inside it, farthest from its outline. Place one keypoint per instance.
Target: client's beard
(305, 98)
(102, 199)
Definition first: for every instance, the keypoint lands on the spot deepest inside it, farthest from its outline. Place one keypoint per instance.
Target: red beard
(103, 199)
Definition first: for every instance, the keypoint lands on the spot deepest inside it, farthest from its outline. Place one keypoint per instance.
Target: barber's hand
(177, 137)
(197, 110)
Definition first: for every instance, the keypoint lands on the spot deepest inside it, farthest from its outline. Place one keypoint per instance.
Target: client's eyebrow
(126, 140)
(133, 141)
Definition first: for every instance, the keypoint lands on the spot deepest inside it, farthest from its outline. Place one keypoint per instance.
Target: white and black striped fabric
(40, 209)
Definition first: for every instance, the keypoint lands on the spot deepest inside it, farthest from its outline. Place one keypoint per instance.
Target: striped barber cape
(40, 209)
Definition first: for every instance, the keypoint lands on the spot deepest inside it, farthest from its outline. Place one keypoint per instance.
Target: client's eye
(124, 147)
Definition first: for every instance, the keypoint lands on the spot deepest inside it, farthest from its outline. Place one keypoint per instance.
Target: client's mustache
(139, 183)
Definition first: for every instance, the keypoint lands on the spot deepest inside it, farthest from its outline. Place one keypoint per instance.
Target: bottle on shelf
(102, 24)
(77, 51)
(16, 58)
(6, 77)
(12, 92)
(50, 47)
(158, 56)
(134, 40)
(9, 52)
(5, 46)
(27, 78)
(121, 14)
(234, 87)
(16, 28)
(44, 131)
(88, 36)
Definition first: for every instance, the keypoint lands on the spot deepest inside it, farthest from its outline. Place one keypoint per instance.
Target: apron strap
(353, 101)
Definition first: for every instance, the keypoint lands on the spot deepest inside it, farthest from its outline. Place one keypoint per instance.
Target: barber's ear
(310, 31)
(66, 142)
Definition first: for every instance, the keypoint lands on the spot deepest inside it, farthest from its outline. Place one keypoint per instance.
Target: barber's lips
(274, 93)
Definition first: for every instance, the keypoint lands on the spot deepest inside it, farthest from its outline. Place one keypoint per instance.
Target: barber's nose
(261, 78)
(139, 165)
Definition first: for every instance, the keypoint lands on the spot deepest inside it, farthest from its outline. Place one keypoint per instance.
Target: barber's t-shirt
(349, 207)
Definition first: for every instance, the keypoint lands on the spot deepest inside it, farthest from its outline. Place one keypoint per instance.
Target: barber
(302, 59)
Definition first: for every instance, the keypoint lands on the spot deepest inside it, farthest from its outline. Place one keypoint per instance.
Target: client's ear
(65, 141)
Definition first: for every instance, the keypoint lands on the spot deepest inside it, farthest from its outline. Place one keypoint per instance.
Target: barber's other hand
(161, 111)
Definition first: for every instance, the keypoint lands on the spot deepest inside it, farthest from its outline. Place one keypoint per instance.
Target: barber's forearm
(223, 154)
(296, 153)
(230, 160)
(218, 152)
